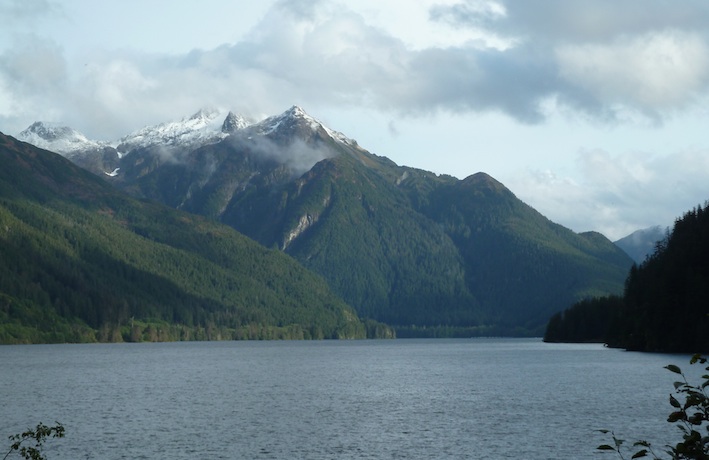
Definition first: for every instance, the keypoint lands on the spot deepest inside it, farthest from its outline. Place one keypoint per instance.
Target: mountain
(58, 138)
(204, 127)
(81, 261)
(641, 243)
(520, 265)
(429, 254)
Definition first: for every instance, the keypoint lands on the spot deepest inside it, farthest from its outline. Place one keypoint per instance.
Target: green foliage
(666, 297)
(382, 257)
(690, 413)
(663, 308)
(429, 254)
(586, 321)
(81, 262)
(521, 267)
(38, 436)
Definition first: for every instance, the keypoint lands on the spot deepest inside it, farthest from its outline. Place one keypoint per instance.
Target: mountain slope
(81, 261)
(641, 243)
(57, 138)
(423, 252)
(520, 265)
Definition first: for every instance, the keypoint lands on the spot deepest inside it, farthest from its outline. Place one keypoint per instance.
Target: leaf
(696, 419)
(674, 402)
(640, 454)
(605, 447)
(694, 399)
(675, 416)
(673, 368)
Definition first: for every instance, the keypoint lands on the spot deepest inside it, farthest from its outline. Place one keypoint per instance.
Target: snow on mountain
(234, 122)
(296, 115)
(57, 138)
(207, 126)
(202, 128)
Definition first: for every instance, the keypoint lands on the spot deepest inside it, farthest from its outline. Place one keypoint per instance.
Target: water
(401, 399)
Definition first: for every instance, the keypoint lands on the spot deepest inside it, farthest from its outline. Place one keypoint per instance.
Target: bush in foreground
(691, 414)
(38, 436)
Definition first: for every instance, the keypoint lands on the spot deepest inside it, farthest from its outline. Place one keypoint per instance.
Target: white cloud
(34, 66)
(327, 53)
(619, 194)
(19, 13)
(118, 83)
(652, 72)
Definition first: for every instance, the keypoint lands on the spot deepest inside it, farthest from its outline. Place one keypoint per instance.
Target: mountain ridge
(405, 246)
(641, 243)
(82, 261)
(206, 126)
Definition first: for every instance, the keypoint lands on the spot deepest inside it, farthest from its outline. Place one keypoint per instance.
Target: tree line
(665, 303)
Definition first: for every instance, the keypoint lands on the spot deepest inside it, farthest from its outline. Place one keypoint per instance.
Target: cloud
(19, 13)
(574, 21)
(479, 13)
(652, 73)
(600, 59)
(296, 155)
(619, 194)
(327, 54)
(33, 78)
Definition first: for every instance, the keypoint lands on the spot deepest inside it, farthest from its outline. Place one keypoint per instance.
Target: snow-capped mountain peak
(57, 138)
(296, 116)
(234, 122)
(204, 127)
(205, 115)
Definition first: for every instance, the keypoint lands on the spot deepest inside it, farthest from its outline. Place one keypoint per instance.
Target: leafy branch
(691, 414)
(38, 436)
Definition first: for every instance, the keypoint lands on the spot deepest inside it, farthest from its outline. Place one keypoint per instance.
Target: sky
(594, 112)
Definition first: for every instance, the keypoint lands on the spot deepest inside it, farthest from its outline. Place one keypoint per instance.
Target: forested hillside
(430, 255)
(80, 261)
(521, 266)
(665, 306)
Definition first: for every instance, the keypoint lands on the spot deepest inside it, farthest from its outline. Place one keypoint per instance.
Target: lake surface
(397, 399)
